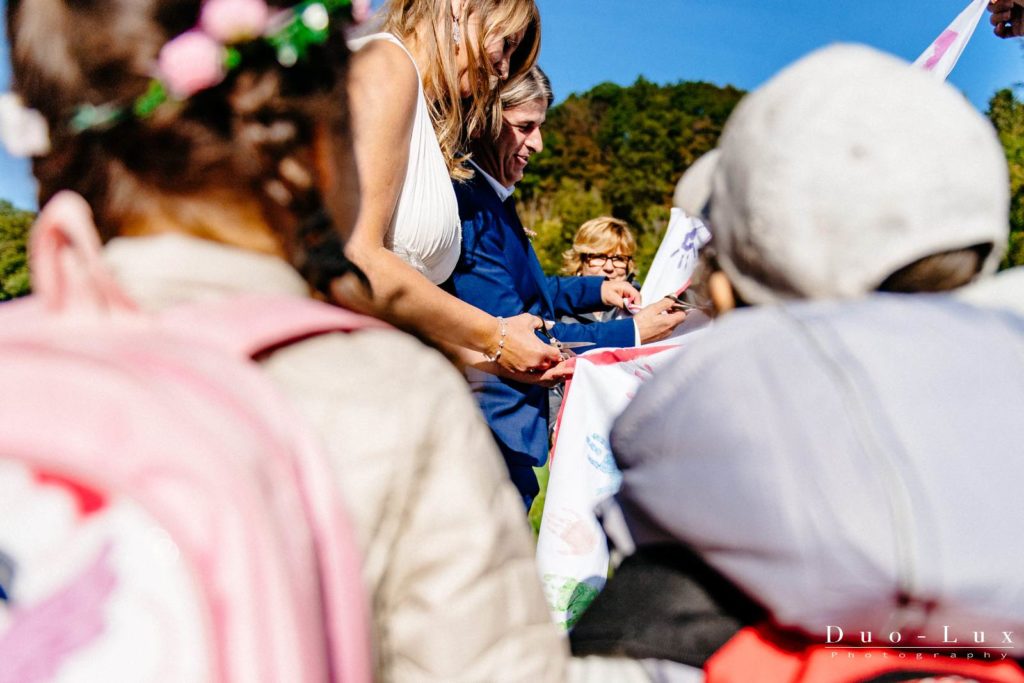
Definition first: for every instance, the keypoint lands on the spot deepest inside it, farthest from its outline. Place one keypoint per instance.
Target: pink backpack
(164, 516)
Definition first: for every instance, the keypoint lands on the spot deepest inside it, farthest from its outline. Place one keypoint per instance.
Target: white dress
(425, 231)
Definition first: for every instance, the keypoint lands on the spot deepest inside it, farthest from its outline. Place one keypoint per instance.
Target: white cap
(694, 189)
(846, 167)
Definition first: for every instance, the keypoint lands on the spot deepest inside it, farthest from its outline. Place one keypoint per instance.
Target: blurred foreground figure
(211, 142)
(845, 464)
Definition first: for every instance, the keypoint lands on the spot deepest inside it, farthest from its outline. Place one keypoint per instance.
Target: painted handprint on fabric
(941, 45)
(642, 371)
(687, 251)
(577, 535)
(569, 596)
(599, 454)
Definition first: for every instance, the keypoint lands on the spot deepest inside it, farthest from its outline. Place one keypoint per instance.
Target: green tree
(619, 151)
(14, 225)
(1007, 114)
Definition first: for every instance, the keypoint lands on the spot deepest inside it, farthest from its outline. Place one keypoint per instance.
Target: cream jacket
(448, 560)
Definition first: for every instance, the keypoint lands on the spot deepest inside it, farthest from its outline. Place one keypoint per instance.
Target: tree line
(14, 225)
(613, 150)
(619, 151)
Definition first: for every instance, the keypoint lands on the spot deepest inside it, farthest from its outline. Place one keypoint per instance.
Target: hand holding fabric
(523, 350)
(552, 377)
(656, 322)
(1007, 17)
(615, 292)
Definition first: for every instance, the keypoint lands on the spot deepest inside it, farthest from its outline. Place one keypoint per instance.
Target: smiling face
(505, 159)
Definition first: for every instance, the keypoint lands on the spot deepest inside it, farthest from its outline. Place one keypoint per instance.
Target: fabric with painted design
(941, 56)
(572, 551)
(676, 258)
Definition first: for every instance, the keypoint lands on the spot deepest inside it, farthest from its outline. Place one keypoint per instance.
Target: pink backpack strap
(68, 273)
(70, 277)
(249, 324)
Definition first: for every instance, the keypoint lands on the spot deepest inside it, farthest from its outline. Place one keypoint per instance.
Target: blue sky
(742, 43)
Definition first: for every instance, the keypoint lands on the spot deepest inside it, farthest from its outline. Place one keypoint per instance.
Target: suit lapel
(533, 263)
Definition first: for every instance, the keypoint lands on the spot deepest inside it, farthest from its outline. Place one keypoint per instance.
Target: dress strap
(358, 43)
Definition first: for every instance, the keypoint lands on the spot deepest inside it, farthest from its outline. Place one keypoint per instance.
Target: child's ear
(722, 295)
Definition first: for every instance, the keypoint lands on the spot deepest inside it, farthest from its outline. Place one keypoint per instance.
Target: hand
(1007, 17)
(551, 377)
(656, 322)
(615, 292)
(523, 351)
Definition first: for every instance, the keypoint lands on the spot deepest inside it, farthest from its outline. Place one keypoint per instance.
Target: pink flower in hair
(234, 21)
(360, 10)
(191, 62)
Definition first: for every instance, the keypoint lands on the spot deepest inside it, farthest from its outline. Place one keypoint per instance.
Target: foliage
(1007, 114)
(619, 151)
(14, 225)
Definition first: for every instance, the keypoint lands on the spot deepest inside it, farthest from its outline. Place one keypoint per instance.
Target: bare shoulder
(382, 71)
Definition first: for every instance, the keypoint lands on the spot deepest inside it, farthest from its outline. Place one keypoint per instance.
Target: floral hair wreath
(196, 60)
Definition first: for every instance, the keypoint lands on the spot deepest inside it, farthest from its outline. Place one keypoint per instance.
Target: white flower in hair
(23, 131)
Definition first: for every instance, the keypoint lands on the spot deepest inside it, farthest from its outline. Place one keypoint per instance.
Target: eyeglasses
(598, 260)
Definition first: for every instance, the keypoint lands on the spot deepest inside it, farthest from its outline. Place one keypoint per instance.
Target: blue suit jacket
(498, 272)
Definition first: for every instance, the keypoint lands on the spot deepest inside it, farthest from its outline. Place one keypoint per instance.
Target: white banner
(942, 55)
(572, 553)
(676, 258)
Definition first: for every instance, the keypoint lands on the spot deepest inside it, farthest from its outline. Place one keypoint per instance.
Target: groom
(498, 272)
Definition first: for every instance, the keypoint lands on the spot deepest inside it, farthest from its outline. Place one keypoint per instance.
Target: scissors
(678, 303)
(564, 348)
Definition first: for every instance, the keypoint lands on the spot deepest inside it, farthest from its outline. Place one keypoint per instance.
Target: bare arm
(553, 376)
(382, 99)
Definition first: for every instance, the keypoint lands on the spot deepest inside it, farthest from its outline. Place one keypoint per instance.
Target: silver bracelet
(501, 342)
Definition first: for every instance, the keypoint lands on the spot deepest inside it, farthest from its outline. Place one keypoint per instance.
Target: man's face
(520, 138)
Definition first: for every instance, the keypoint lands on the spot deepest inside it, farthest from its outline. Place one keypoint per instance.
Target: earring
(456, 32)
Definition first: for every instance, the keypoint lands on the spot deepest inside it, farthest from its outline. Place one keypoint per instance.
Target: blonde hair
(531, 86)
(457, 120)
(603, 235)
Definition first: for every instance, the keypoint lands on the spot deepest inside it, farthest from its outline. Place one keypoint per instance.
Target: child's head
(235, 135)
(851, 172)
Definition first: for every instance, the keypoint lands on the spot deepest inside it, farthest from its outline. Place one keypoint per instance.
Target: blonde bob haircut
(457, 120)
(603, 235)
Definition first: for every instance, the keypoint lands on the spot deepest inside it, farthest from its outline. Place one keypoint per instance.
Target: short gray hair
(533, 85)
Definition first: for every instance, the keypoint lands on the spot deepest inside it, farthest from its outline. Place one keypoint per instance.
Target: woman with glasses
(604, 247)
